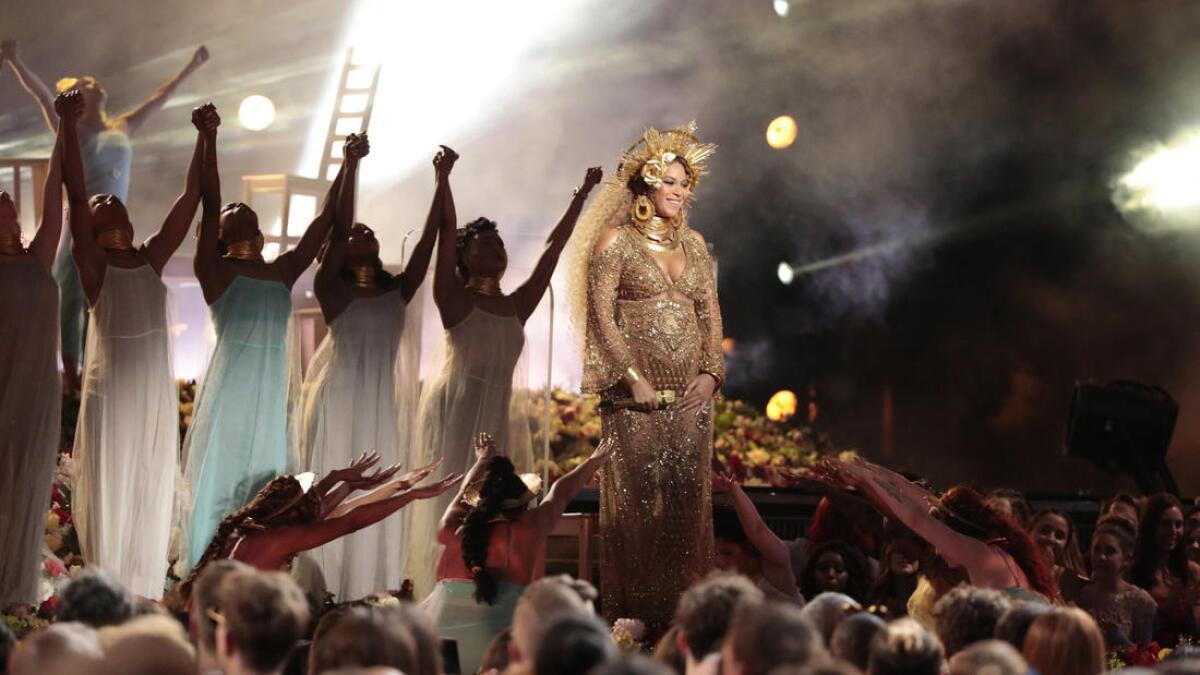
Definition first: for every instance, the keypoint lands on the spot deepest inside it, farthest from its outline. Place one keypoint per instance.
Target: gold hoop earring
(643, 209)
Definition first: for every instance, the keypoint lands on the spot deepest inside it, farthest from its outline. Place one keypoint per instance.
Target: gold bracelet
(632, 376)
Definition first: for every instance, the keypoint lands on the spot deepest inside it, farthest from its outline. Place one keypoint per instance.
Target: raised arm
(89, 256)
(569, 486)
(451, 298)
(418, 263)
(456, 512)
(134, 119)
(293, 263)
(207, 261)
(45, 240)
(530, 293)
(162, 245)
(777, 560)
(33, 84)
(339, 205)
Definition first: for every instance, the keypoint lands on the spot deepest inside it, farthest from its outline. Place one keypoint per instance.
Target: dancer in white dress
(30, 399)
(361, 380)
(485, 333)
(127, 439)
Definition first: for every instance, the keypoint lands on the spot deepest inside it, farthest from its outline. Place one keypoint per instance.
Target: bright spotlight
(256, 112)
(782, 406)
(1164, 180)
(786, 273)
(782, 7)
(781, 132)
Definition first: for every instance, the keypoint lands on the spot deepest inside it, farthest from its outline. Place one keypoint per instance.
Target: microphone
(665, 399)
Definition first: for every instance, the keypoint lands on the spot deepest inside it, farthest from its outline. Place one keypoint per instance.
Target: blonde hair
(69, 83)
(1065, 641)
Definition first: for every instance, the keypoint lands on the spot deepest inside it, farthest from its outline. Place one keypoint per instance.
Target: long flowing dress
(239, 435)
(127, 438)
(30, 401)
(107, 156)
(473, 394)
(656, 534)
(354, 395)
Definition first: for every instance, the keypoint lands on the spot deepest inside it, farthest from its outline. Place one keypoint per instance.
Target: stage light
(781, 132)
(782, 7)
(1165, 179)
(728, 345)
(786, 273)
(782, 406)
(256, 112)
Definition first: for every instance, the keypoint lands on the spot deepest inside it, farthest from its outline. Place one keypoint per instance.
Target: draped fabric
(30, 402)
(127, 438)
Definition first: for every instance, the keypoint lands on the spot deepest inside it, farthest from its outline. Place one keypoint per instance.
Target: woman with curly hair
(836, 567)
(992, 549)
(494, 545)
(1161, 567)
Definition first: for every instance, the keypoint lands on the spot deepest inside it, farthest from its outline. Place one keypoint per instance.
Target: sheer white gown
(30, 402)
(360, 395)
(127, 438)
(474, 393)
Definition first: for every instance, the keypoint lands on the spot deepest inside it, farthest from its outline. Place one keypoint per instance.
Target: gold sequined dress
(656, 534)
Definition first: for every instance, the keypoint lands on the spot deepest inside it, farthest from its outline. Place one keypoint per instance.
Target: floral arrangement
(629, 634)
(1146, 655)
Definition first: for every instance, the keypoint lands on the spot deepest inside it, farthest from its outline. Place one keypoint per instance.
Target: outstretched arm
(45, 241)
(568, 487)
(33, 84)
(134, 119)
(418, 263)
(448, 293)
(777, 560)
(530, 293)
(162, 245)
(456, 512)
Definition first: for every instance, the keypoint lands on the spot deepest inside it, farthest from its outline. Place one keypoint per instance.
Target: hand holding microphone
(660, 401)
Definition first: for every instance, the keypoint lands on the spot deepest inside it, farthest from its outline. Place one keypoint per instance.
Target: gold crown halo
(656, 150)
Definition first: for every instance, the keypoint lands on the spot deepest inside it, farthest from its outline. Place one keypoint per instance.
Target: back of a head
(61, 649)
(370, 670)
(904, 647)
(968, 614)
(94, 598)
(852, 638)
(362, 637)
(1014, 624)
(204, 598)
(573, 644)
(265, 615)
(828, 610)
(148, 645)
(420, 628)
(633, 664)
(705, 610)
(766, 635)
(820, 667)
(989, 657)
(1065, 641)
(541, 601)
(7, 642)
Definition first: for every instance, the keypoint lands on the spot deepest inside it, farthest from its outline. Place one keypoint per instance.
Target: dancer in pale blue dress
(107, 155)
(239, 435)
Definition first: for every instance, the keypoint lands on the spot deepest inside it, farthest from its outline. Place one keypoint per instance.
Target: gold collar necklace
(10, 244)
(485, 286)
(658, 235)
(364, 276)
(115, 240)
(247, 249)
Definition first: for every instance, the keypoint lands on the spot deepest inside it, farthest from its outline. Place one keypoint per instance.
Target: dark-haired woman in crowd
(239, 438)
(836, 567)
(991, 549)
(485, 335)
(494, 545)
(1161, 566)
(744, 544)
(1054, 532)
(1124, 612)
(30, 403)
(361, 380)
(1191, 539)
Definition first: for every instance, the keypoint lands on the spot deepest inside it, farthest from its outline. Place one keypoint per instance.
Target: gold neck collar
(364, 276)
(117, 240)
(485, 285)
(659, 235)
(10, 244)
(246, 249)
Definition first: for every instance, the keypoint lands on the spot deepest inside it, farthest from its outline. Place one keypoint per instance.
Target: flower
(759, 457)
(628, 633)
(54, 567)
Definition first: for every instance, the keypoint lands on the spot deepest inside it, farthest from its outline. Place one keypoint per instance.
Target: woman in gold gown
(646, 300)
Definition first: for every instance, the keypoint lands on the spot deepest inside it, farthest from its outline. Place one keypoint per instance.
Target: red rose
(48, 607)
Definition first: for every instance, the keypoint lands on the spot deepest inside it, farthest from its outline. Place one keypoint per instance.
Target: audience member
(419, 626)
(148, 645)
(851, 640)
(94, 598)
(360, 636)
(1123, 505)
(1124, 612)
(634, 664)
(542, 601)
(901, 570)
(670, 651)
(826, 611)
(495, 657)
(836, 567)
(1065, 641)
(904, 647)
(7, 642)
(765, 635)
(261, 615)
(988, 657)
(967, 615)
(1054, 532)
(573, 644)
(746, 545)
(1010, 503)
(1160, 566)
(61, 649)
(705, 611)
(204, 597)
(1014, 624)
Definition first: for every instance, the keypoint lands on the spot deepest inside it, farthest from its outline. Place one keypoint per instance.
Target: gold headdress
(650, 156)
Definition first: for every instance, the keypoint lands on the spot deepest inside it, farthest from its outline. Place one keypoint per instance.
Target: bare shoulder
(606, 239)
